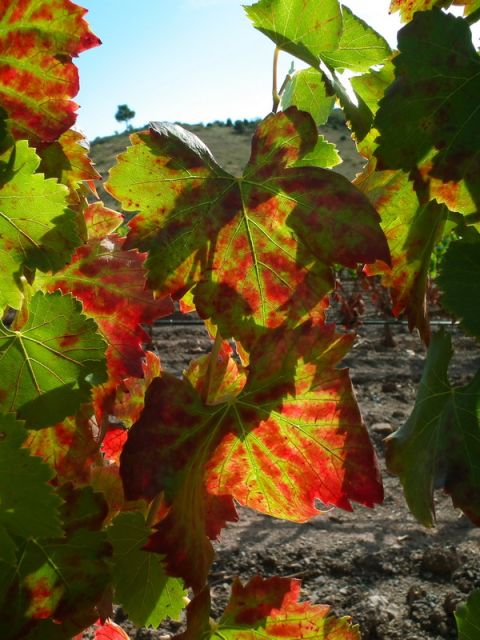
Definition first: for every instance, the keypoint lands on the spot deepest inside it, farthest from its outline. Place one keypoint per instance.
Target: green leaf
(265, 241)
(303, 28)
(459, 281)
(324, 156)
(359, 117)
(306, 90)
(146, 593)
(63, 579)
(28, 504)
(468, 617)
(37, 77)
(439, 445)
(36, 228)
(266, 609)
(8, 548)
(360, 47)
(371, 86)
(50, 365)
(439, 66)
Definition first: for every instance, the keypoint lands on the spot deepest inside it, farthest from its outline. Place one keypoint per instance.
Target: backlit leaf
(110, 283)
(266, 609)
(468, 617)
(407, 8)
(101, 221)
(304, 28)
(109, 631)
(433, 101)
(459, 281)
(67, 160)
(306, 90)
(37, 77)
(147, 594)
(359, 48)
(258, 246)
(48, 367)
(61, 578)
(36, 228)
(29, 506)
(412, 231)
(131, 396)
(439, 445)
(293, 434)
(69, 447)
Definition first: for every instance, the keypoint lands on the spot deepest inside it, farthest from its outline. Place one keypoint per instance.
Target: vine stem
(152, 512)
(211, 363)
(275, 94)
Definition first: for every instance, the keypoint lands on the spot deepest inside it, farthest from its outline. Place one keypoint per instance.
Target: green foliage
(92, 513)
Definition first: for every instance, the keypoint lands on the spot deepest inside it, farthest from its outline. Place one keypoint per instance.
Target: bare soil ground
(396, 579)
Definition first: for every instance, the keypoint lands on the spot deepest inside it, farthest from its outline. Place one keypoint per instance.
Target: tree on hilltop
(124, 114)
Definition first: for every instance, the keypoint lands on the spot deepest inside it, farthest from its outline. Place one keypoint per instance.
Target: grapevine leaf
(407, 8)
(110, 282)
(29, 506)
(109, 631)
(68, 447)
(130, 397)
(268, 238)
(148, 595)
(306, 90)
(36, 228)
(439, 444)
(101, 221)
(301, 27)
(360, 47)
(459, 281)
(371, 86)
(61, 578)
(8, 548)
(412, 231)
(324, 156)
(359, 117)
(438, 65)
(50, 365)
(468, 617)
(291, 435)
(67, 160)
(266, 608)
(37, 76)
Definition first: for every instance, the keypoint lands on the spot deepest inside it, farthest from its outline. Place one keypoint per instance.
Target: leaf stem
(154, 507)
(275, 94)
(211, 364)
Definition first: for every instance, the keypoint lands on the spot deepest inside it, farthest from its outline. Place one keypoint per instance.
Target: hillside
(230, 149)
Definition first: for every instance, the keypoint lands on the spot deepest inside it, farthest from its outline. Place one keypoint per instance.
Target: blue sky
(184, 60)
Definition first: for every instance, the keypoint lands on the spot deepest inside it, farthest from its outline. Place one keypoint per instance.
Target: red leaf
(69, 447)
(131, 396)
(292, 434)
(110, 282)
(109, 631)
(266, 608)
(37, 76)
